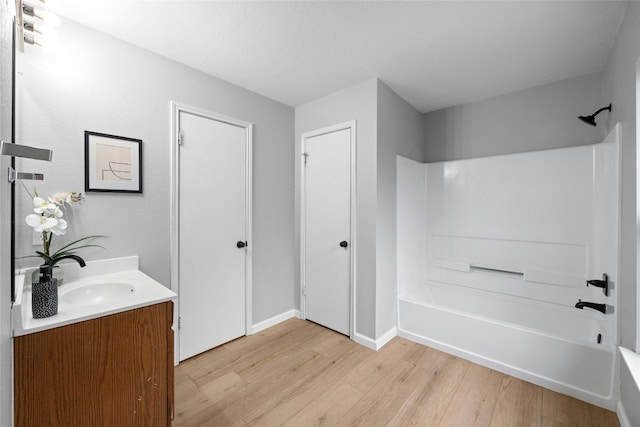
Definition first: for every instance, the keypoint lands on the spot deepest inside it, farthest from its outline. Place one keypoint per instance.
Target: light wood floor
(299, 374)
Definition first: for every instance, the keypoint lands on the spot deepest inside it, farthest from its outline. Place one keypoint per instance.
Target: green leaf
(71, 251)
(70, 248)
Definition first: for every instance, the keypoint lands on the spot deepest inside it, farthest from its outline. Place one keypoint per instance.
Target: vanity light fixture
(34, 23)
(13, 176)
(25, 151)
(591, 120)
(18, 150)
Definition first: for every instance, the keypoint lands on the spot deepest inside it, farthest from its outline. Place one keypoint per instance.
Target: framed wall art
(112, 163)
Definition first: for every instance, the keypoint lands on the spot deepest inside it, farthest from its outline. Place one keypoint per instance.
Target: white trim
(249, 232)
(365, 341)
(351, 125)
(386, 337)
(607, 402)
(376, 344)
(279, 318)
(632, 360)
(637, 347)
(176, 109)
(173, 223)
(622, 415)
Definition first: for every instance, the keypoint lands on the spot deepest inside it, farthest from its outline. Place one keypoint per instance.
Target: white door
(326, 234)
(212, 236)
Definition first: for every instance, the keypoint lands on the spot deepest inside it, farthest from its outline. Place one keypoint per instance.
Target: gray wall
(620, 90)
(356, 103)
(400, 131)
(99, 83)
(6, 382)
(386, 125)
(533, 119)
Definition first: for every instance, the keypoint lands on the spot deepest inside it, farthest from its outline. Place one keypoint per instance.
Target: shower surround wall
(493, 254)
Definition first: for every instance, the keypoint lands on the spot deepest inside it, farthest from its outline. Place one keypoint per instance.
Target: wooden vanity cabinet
(115, 370)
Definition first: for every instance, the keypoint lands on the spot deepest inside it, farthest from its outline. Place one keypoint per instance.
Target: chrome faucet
(602, 308)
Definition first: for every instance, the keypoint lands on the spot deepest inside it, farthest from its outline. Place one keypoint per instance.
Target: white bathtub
(547, 344)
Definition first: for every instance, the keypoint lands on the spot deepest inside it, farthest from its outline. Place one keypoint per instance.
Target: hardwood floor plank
(380, 404)
(565, 410)
(573, 412)
(372, 369)
(602, 417)
(329, 407)
(189, 401)
(519, 404)
(255, 341)
(239, 401)
(256, 365)
(278, 409)
(208, 365)
(299, 374)
(430, 400)
(273, 391)
(422, 356)
(331, 345)
(345, 361)
(548, 422)
(475, 399)
(222, 386)
(250, 361)
(295, 333)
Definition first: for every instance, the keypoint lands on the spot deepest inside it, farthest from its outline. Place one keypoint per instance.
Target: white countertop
(146, 291)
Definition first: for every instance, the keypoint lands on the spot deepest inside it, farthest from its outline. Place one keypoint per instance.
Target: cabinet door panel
(113, 370)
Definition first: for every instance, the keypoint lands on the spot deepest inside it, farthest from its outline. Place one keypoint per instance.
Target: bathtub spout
(602, 308)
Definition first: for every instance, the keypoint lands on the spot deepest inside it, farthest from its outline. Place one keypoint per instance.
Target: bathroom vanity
(106, 358)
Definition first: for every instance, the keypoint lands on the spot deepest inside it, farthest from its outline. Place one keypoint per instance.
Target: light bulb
(48, 17)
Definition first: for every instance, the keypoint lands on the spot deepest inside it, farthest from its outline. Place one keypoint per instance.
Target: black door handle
(241, 244)
(344, 244)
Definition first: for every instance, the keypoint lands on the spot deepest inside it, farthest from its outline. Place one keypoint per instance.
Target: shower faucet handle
(604, 283)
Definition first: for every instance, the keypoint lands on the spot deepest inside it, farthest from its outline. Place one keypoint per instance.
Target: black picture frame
(112, 163)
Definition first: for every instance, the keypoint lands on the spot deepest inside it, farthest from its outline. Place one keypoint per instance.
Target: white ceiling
(433, 54)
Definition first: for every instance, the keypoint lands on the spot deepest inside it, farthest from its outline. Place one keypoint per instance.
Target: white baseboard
(375, 344)
(365, 341)
(274, 321)
(360, 339)
(622, 415)
(386, 337)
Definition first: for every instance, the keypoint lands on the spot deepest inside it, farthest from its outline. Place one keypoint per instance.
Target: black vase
(44, 295)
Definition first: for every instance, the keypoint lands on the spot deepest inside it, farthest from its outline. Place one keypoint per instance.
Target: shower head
(591, 120)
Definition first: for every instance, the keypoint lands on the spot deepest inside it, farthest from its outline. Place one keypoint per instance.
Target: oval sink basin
(98, 293)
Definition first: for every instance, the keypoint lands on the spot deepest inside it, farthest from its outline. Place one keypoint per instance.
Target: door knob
(344, 244)
(241, 244)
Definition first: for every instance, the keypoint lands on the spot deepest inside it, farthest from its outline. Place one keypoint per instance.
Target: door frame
(176, 109)
(351, 125)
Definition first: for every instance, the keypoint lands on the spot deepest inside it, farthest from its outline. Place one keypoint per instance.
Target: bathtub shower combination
(494, 255)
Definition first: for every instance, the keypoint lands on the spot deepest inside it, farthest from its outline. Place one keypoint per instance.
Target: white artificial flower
(57, 212)
(42, 223)
(60, 228)
(43, 206)
(61, 198)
